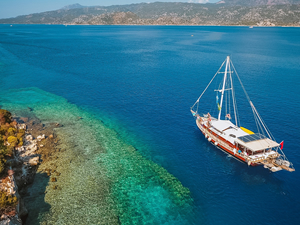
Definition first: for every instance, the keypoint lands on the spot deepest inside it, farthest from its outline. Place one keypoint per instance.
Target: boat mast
(223, 88)
(233, 96)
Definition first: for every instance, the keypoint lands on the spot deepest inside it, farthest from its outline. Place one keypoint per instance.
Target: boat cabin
(254, 144)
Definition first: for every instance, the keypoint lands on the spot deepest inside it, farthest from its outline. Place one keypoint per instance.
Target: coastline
(179, 25)
(93, 174)
(39, 145)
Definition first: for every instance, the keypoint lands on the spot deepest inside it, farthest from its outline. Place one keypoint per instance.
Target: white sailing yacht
(224, 132)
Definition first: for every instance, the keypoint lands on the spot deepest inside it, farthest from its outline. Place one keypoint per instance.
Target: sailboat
(225, 132)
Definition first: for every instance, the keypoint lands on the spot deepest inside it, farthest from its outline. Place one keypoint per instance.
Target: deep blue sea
(142, 80)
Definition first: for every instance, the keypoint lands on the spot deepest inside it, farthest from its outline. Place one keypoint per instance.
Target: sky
(13, 8)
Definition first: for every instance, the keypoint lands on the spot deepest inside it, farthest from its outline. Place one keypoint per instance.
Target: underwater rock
(40, 137)
(11, 221)
(22, 126)
(57, 173)
(34, 161)
(29, 137)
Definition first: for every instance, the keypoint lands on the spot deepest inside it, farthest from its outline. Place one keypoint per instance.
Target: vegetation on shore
(7, 200)
(10, 137)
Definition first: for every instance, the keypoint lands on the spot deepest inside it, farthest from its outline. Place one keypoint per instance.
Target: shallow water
(103, 180)
(140, 82)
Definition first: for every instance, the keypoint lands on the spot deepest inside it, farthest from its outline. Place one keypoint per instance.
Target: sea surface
(133, 86)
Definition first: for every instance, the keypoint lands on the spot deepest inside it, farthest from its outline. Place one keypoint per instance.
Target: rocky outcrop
(12, 217)
(24, 163)
(5, 220)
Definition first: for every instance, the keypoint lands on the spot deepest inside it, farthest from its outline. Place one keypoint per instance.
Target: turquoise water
(137, 83)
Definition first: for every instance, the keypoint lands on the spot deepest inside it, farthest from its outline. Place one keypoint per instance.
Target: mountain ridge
(258, 2)
(167, 13)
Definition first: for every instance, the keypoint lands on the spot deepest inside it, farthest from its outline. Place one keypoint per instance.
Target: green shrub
(3, 129)
(13, 123)
(21, 131)
(5, 116)
(9, 150)
(20, 142)
(13, 141)
(3, 152)
(7, 200)
(11, 131)
(2, 166)
(20, 135)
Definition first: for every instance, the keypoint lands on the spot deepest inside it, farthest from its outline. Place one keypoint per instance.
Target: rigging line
(266, 129)
(258, 125)
(241, 83)
(263, 123)
(208, 84)
(233, 98)
(256, 121)
(247, 96)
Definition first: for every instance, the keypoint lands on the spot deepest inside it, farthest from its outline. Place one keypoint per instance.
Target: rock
(22, 126)
(4, 217)
(10, 172)
(11, 221)
(29, 137)
(41, 146)
(57, 124)
(40, 137)
(53, 179)
(30, 149)
(20, 149)
(34, 161)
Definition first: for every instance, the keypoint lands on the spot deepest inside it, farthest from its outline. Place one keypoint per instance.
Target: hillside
(259, 2)
(159, 13)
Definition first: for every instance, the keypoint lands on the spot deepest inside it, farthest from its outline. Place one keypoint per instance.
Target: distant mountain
(73, 6)
(172, 13)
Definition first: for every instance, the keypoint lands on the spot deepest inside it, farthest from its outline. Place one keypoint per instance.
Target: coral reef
(93, 172)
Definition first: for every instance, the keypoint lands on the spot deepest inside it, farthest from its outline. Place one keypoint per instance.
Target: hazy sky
(12, 8)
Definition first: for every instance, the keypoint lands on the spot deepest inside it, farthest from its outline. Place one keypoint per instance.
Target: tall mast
(233, 96)
(223, 88)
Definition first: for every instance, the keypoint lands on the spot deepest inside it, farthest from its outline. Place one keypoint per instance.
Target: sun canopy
(256, 142)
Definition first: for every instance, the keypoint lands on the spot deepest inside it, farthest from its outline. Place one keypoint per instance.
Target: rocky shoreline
(39, 146)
